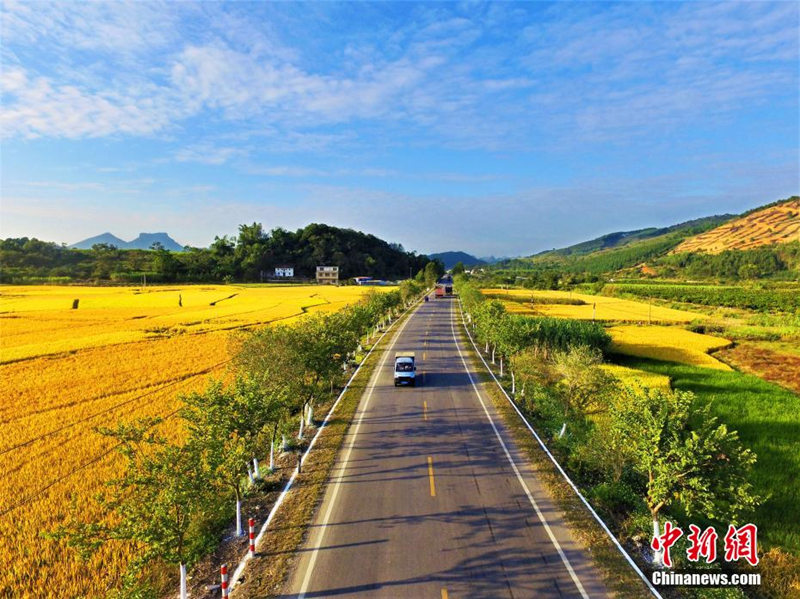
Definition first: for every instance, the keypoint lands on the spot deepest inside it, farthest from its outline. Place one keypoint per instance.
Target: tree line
(780, 262)
(174, 497)
(249, 257)
(642, 455)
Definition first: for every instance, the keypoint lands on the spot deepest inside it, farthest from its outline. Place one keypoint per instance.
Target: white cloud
(449, 76)
(38, 106)
(208, 153)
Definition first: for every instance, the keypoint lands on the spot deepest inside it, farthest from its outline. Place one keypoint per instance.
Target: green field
(785, 300)
(767, 417)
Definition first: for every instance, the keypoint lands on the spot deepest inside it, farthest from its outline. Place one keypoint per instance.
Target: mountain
(450, 259)
(146, 240)
(493, 259)
(107, 238)
(772, 224)
(143, 242)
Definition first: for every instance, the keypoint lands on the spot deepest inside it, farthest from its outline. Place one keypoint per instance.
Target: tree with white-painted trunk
(159, 503)
(583, 386)
(683, 455)
(228, 459)
(224, 425)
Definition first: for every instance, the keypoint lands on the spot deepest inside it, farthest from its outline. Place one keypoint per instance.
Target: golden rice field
(672, 344)
(124, 353)
(634, 376)
(596, 307)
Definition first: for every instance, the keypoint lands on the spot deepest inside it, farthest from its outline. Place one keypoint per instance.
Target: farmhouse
(284, 271)
(328, 275)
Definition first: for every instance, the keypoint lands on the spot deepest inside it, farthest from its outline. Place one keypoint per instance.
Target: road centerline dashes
(430, 477)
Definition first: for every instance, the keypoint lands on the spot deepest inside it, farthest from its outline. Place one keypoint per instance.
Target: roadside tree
(685, 456)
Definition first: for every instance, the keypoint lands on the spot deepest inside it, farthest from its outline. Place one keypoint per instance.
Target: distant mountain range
(144, 242)
(450, 259)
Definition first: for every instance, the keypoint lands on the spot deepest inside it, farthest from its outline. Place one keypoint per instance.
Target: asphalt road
(424, 500)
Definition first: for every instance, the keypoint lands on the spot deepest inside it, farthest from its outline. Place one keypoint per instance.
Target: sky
(493, 128)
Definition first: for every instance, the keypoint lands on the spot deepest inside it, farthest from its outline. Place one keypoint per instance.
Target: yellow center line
(424, 355)
(430, 476)
(424, 410)
(444, 593)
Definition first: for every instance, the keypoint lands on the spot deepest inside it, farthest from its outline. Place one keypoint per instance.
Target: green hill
(649, 252)
(622, 238)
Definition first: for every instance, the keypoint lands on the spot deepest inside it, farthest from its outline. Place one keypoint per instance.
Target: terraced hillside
(779, 223)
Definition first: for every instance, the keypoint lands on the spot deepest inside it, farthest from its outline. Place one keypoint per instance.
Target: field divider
(561, 471)
(290, 483)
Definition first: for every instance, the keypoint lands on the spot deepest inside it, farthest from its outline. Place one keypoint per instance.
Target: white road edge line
(559, 468)
(243, 562)
(521, 480)
(334, 494)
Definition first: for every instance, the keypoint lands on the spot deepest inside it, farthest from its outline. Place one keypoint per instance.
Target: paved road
(424, 500)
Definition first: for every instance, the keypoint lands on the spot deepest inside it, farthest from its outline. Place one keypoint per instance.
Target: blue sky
(500, 129)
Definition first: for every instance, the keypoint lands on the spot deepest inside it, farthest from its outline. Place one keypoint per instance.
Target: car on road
(405, 369)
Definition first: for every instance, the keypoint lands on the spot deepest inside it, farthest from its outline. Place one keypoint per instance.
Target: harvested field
(775, 224)
(770, 365)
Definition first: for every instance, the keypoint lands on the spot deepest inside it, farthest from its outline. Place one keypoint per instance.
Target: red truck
(439, 291)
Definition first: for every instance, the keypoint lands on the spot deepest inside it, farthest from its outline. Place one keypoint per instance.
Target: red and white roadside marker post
(223, 571)
(252, 525)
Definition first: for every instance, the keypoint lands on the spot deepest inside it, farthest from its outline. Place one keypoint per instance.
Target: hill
(450, 259)
(621, 238)
(144, 242)
(762, 244)
(250, 257)
(615, 251)
(773, 224)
